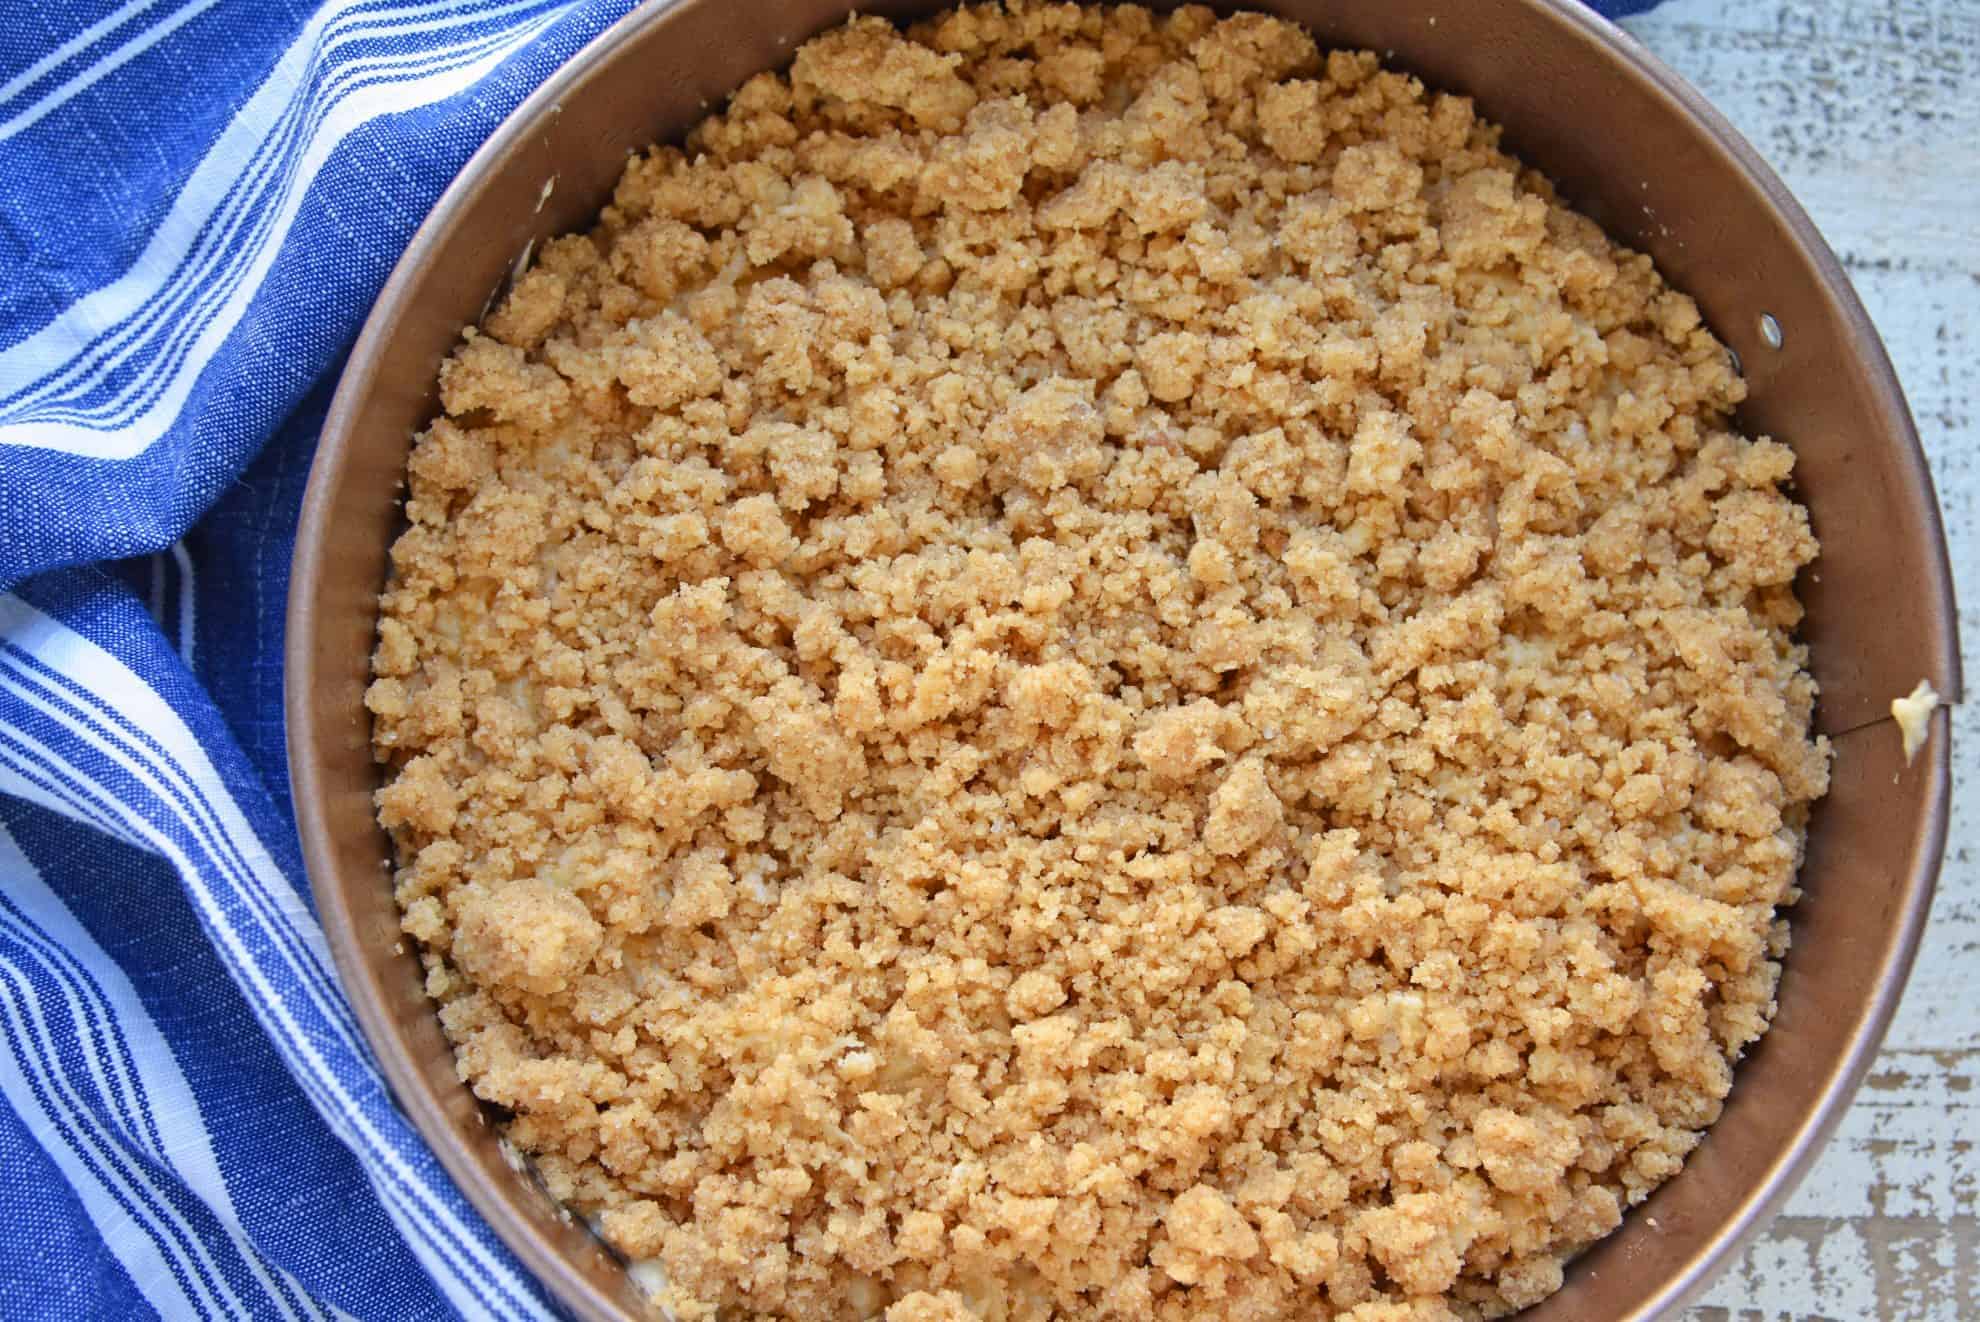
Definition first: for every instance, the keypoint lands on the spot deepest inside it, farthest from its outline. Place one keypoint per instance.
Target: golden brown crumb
(1095, 665)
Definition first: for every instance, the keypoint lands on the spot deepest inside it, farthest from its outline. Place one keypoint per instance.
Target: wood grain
(1871, 113)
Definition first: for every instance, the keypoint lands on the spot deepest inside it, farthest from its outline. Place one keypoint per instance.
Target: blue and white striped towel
(198, 201)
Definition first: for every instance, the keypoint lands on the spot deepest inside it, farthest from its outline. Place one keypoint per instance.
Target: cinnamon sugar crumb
(1096, 665)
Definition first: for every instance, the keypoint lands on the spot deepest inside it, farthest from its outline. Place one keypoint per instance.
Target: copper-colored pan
(1628, 143)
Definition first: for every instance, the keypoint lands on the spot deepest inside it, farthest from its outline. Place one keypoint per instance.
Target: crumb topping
(1095, 665)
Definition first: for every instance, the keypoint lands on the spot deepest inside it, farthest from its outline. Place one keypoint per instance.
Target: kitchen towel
(199, 200)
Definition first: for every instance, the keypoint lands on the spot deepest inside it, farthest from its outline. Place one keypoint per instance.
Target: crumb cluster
(1092, 665)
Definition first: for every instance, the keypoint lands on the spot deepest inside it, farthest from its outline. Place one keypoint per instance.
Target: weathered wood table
(1870, 109)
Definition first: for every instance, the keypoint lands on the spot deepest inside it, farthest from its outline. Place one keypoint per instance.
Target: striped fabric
(198, 201)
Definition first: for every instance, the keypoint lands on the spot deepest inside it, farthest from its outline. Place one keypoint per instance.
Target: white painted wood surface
(1870, 109)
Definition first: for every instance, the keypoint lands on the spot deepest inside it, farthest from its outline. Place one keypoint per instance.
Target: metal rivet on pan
(1770, 330)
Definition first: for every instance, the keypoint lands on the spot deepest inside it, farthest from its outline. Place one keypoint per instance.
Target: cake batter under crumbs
(1096, 666)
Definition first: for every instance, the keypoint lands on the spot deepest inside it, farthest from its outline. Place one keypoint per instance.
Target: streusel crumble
(1095, 665)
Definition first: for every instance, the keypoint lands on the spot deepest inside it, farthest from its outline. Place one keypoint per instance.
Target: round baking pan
(1629, 144)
